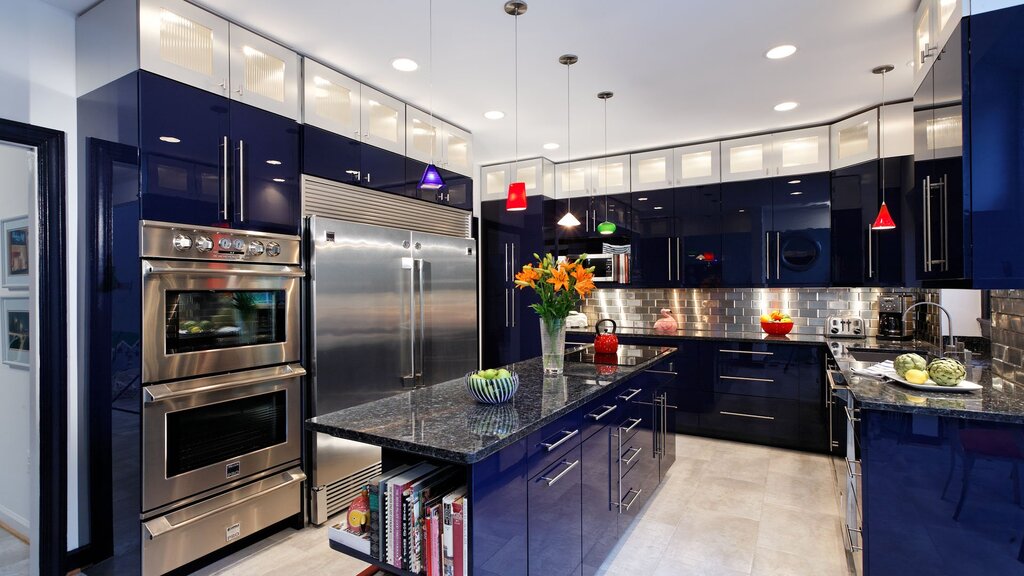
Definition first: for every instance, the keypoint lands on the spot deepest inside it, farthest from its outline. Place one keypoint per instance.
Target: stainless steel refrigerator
(390, 310)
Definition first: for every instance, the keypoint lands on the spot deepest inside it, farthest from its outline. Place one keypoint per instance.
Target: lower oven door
(202, 434)
(202, 318)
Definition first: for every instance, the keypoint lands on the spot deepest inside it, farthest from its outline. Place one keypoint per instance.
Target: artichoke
(906, 362)
(946, 372)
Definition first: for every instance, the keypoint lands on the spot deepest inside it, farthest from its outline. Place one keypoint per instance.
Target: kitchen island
(554, 476)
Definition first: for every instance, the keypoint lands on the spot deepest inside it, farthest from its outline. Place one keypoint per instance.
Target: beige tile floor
(13, 555)
(725, 509)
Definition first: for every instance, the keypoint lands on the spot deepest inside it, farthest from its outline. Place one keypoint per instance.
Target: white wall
(965, 308)
(37, 86)
(18, 176)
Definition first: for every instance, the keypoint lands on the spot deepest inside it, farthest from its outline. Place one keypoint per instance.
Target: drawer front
(551, 442)
(599, 413)
(762, 385)
(757, 369)
(752, 419)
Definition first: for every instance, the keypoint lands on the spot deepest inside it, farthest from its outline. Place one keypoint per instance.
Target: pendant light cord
(568, 136)
(881, 135)
(606, 202)
(516, 75)
(430, 77)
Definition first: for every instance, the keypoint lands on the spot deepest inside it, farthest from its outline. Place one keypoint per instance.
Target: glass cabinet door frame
(314, 74)
(244, 73)
(155, 14)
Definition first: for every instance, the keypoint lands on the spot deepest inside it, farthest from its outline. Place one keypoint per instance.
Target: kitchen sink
(881, 354)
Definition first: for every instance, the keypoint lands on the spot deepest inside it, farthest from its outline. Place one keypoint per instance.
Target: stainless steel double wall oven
(221, 399)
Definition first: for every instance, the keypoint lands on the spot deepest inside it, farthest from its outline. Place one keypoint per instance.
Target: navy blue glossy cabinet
(940, 495)
(997, 169)
(509, 240)
(554, 501)
(676, 237)
(799, 243)
(746, 221)
(210, 161)
(654, 243)
(343, 159)
(599, 516)
(862, 256)
(699, 228)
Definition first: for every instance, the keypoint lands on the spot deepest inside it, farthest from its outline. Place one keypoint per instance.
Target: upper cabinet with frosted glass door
(185, 43)
(331, 100)
(382, 120)
(934, 23)
(781, 154)
(651, 170)
(697, 165)
(855, 139)
(537, 174)
(434, 141)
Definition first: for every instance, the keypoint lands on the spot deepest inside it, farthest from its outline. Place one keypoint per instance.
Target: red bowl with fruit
(777, 328)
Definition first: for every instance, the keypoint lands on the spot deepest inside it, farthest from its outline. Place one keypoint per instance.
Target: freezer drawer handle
(607, 410)
(567, 434)
(569, 466)
(160, 526)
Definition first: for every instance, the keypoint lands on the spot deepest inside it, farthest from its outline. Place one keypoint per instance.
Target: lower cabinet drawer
(175, 539)
(555, 512)
(763, 385)
(753, 419)
(552, 441)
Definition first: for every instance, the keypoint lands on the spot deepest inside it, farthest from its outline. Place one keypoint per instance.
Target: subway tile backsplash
(738, 308)
(1007, 308)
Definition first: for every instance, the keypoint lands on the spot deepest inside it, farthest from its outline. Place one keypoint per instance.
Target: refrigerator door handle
(418, 366)
(409, 379)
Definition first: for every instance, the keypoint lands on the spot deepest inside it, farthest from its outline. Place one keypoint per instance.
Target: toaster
(844, 327)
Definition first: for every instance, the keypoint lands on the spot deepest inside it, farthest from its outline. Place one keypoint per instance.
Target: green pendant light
(607, 227)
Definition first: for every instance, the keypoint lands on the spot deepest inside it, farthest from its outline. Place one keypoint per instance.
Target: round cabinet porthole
(799, 252)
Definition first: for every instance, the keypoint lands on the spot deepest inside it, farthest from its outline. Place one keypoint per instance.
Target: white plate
(931, 386)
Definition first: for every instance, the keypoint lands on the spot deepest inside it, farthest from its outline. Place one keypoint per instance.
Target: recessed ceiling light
(494, 115)
(170, 139)
(793, 182)
(404, 64)
(783, 51)
(274, 162)
(551, 146)
(742, 210)
(278, 179)
(785, 106)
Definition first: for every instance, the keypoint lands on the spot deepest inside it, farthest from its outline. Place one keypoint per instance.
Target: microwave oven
(608, 267)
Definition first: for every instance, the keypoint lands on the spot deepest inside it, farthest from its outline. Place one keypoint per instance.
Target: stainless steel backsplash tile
(739, 309)
(1007, 307)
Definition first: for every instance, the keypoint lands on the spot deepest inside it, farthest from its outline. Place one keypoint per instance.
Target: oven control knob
(224, 243)
(273, 249)
(238, 245)
(203, 244)
(182, 242)
(255, 248)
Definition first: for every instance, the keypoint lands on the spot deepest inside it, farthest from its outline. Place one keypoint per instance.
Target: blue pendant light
(431, 179)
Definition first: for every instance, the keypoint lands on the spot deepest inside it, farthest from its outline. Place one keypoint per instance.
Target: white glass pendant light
(568, 60)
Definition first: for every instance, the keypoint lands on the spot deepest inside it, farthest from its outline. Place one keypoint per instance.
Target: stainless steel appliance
(215, 300)
(891, 325)
(390, 310)
(202, 434)
(845, 327)
(221, 409)
(607, 266)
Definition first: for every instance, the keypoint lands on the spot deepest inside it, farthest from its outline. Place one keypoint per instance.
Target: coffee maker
(891, 325)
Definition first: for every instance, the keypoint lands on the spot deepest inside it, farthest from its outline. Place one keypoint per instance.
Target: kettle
(605, 342)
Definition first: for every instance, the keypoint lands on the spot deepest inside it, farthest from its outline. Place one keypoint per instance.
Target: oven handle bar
(160, 526)
(161, 392)
(286, 272)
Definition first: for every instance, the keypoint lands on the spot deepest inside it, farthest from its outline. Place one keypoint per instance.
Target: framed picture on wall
(14, 323)
(15, 256)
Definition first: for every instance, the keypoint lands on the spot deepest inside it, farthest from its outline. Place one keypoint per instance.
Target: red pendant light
(516, 200)
(884, 220)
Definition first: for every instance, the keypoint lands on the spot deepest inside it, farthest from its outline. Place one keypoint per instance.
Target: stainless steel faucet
(949, 321)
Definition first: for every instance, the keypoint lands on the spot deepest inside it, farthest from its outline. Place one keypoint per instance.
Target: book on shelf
(460, 535)
(377, 490)
(393, 530)
(448, 535)
(340, 533)
(429, 490)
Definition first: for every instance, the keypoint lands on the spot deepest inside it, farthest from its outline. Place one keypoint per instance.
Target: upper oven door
(203, 318)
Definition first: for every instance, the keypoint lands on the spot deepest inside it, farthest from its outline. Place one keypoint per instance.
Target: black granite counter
(444, 422)
(731, 333)
(998, 400)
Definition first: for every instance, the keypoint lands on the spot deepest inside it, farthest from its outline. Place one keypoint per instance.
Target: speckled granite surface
(999, 400)
(732, 333)
(445, 422)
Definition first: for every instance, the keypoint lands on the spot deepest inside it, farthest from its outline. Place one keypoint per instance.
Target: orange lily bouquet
(560, 285)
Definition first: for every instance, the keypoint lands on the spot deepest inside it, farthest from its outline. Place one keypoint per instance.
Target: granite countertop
(730, 332)
(444, 422)
(998, 400)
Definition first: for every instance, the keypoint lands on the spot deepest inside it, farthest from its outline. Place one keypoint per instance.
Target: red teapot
(605, 342)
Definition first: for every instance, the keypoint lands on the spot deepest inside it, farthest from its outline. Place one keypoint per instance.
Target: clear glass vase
(552, 344)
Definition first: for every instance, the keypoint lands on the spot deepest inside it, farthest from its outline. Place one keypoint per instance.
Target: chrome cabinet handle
(678, 267)
(767, 256)
(778, 255)
(661, 372)
(743, 415)
(747, 379)
(870, 255)
(635, 451)
(632, 392)
(927, 212)
(512, 275)
(149, 269)
(225, 185)
(945, 223)
(241, 180)
(568, 434)
(754, 352)
(569, 466)
(669, 240)
(851, 414)
(636, 494)
(607, 410)
(849, 467)
(506, 308)
(508, 263)
(631, 426)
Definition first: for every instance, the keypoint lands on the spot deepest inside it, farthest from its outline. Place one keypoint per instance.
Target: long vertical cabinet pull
(512, 289)
(679, 274)
(767, 256)
(945, 223)
(669, 240)
(505, 266)
(926, 189)
(241, 180)
(418, 369)
(656, 425)
(778, 255)
(225, 182)
(871, 263)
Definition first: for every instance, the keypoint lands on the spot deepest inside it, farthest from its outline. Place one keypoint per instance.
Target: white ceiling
(681, 70)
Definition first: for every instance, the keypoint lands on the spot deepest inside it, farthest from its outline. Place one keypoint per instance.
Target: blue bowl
(492, 391)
